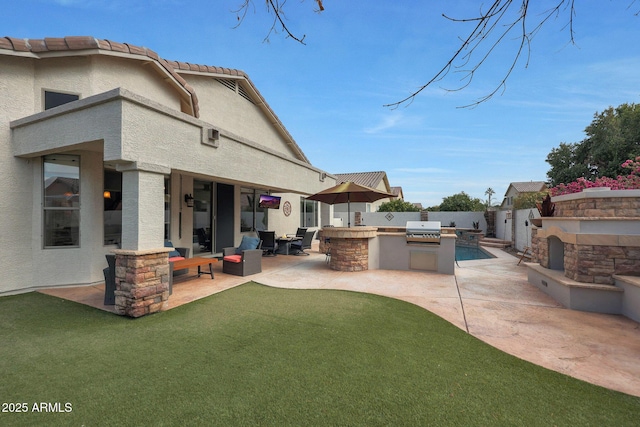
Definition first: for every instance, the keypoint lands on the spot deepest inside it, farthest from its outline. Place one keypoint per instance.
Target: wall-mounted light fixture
(106, 194)
(188, 199)
(526, 223)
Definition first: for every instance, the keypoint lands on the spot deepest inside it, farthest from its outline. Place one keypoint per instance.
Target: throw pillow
(247, 243)
(173, 253)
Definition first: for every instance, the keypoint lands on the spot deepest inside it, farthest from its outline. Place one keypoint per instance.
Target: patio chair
(300, 245)
(299, 233)
(244, 260)
(110, 281)
(203, 239)
(269, 242)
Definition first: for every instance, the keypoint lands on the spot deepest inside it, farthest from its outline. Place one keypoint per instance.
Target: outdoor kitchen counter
(371, 248)
(349, 247)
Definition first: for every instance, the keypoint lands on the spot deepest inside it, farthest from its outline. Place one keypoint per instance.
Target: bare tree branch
(485, 28)
(277, 7)
(502, 19)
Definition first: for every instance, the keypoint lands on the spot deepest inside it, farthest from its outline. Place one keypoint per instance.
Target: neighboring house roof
(523, 187)
(368, 179)
(53, 46)
(528, 187)
(397, 191)
(418, 205)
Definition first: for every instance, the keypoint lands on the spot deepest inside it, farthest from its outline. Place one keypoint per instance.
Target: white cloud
(387, 122)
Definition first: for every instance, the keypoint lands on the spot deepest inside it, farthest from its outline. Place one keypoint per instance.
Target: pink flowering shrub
(629, 182)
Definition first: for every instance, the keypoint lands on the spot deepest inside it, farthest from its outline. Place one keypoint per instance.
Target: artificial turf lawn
(255, 355)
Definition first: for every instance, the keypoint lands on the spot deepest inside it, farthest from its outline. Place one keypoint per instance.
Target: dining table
(284, 243)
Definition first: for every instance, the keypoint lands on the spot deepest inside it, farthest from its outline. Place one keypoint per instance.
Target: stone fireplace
(587, 256)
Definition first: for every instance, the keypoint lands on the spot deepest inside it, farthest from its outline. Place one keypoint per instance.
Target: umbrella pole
(348, 210)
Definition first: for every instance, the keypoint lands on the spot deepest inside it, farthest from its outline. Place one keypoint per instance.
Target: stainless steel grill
(423, 231)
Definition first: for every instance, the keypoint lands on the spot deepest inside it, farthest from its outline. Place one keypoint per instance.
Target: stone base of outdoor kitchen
(142, 281)
(386, 248)
(587, 256)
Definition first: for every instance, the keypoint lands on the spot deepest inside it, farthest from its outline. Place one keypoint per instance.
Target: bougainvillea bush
(628, 182)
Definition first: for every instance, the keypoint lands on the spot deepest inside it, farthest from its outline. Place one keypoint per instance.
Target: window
(252, 217)
(167, 209)
(112, 195)
(61, 204)
(308, 213)
(53, 99)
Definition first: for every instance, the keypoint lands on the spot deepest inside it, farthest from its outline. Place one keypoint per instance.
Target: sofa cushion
(247, 243)
(233, 258)
(175, 258)
(173, 253)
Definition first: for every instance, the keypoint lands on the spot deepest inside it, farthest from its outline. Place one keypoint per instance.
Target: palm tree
(489, 193)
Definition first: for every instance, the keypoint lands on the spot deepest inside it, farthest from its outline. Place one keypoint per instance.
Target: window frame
(255, 193)
(73, 210)
(304, 212)
(64, 94)
(116, 194)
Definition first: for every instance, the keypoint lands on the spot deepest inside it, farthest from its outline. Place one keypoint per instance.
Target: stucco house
(107, 147)
(517, 188)
(377, 180)
(397, 191)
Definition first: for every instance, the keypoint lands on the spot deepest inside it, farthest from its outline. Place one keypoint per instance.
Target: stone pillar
(349, 247)
(357, 218)
(349, 254)
(142, 281)
(142, 265)
(490, 217)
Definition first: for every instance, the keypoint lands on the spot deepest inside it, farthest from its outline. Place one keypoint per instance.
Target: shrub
(629, 182)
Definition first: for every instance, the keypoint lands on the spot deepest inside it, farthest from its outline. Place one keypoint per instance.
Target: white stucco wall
(221, 106)
(90, 75)
(17, 176)
(137, 127)
(462, 219)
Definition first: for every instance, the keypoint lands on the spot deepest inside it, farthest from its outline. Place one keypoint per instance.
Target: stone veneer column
(349, 254)
(349, 247)
(142, 281)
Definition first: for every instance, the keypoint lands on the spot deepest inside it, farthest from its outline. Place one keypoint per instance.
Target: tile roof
(40, 47)
(529, 186)
(368, 179)
(396, 190)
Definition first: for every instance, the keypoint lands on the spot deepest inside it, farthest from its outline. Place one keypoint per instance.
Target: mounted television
(269, 202)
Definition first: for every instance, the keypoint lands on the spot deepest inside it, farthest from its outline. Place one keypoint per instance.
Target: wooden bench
(194, 262)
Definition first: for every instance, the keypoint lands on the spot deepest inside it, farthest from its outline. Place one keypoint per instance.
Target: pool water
(468, 253)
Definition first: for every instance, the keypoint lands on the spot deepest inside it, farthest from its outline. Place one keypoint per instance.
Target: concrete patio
(489, 299)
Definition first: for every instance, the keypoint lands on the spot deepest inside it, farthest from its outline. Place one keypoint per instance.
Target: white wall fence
(461, 219)
(514, 226)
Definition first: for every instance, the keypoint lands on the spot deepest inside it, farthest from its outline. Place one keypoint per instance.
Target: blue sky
(360, 55)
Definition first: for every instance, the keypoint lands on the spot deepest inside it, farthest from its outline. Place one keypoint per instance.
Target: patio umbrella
(348, 192)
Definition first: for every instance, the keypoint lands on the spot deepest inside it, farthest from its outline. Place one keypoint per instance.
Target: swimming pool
(468, 253)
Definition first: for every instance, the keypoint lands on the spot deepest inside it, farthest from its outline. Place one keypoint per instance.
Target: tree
(612, 137)
(489, 193)
(529, 200)
(398, 205)
(499, 23)
(461, 202)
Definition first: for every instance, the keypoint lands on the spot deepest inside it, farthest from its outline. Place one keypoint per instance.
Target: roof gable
(368, 179)
(75, 45)
(528, 186)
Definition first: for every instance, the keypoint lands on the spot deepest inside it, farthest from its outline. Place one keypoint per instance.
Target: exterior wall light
(188, 199)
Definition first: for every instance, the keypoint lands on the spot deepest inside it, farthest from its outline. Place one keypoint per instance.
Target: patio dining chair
(269, 242)
(300, 245)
